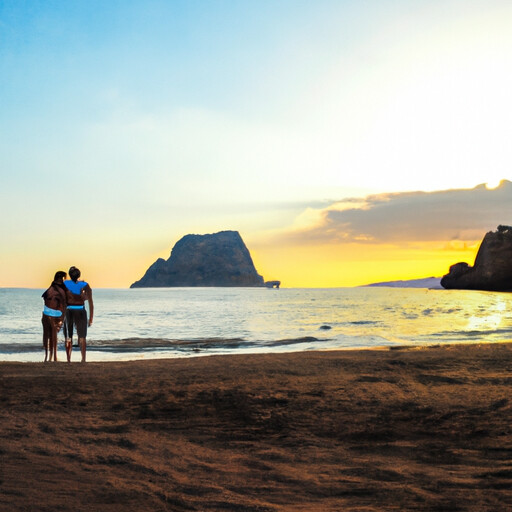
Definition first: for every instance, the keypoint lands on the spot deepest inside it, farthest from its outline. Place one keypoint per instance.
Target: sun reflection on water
(493, 319)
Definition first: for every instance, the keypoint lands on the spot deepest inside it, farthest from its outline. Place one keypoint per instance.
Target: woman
(55, 303)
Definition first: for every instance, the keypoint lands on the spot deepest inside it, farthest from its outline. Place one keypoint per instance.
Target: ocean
(147, 323)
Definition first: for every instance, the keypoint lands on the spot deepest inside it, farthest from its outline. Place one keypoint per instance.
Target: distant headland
(219, 259)
(432, 283)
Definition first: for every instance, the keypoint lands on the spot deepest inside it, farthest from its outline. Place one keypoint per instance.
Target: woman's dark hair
(59, 275)
(74, 274)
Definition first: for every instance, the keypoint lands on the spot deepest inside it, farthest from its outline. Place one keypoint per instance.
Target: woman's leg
(56, 323)
(46, 337)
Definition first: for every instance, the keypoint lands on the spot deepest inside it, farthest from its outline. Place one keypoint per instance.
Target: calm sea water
(183, 322)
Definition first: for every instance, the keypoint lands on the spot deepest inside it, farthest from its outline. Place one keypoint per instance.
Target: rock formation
(219, 259)
(492, 270)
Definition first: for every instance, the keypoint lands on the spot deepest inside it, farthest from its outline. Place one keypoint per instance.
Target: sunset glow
(347, 142)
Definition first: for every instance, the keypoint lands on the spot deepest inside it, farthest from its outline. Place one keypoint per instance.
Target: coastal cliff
(492, 269)
(219, 259)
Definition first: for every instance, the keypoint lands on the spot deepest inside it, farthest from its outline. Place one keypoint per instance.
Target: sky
(348, 142)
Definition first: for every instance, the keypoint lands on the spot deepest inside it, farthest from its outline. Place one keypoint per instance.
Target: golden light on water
(492, 319)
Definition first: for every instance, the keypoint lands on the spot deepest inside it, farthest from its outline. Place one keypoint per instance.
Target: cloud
(409, 217)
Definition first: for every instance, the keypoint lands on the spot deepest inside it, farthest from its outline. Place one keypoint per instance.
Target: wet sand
(368, 430)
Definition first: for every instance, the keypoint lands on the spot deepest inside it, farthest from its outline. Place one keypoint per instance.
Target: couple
(64, 304)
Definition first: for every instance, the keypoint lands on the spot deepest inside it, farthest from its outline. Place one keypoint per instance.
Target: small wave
(293, 341)
(142, 344)
(22, 348)
(21, 331)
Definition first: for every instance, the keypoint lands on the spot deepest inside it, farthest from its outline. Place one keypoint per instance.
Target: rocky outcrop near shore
(492, 270)
(219, 259)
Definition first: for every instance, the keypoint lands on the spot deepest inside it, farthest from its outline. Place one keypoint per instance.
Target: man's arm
(88, 290)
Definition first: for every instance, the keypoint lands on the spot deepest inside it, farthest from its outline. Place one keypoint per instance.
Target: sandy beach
(364, 430)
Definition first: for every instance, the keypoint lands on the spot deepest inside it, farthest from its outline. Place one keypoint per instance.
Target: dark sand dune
(402, 430)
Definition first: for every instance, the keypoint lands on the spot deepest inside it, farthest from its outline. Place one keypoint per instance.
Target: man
(55, 300)
(76, 314)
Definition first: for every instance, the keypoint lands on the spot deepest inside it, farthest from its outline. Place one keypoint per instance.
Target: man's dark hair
(60, 275)
(74, 274)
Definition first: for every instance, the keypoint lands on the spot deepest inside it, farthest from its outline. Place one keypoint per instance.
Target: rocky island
(492, 269)
(219, 259)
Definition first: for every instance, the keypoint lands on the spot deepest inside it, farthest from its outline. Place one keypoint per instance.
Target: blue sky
(126, 125)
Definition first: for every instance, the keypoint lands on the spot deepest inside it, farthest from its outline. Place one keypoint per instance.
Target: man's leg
(68, 334)
(83, 347)
(69, 347)
(81, 330)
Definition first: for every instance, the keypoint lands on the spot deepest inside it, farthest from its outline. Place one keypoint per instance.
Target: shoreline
(149, 349)
(374, 430)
